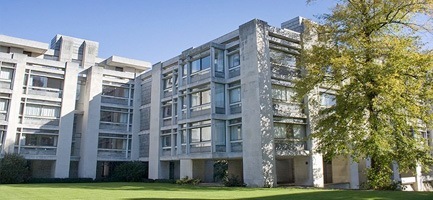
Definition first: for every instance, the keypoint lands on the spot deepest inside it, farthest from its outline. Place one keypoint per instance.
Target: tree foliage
(13, 169)
(382, 76)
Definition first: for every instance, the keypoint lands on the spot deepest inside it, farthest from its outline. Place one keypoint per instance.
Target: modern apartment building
(73, 114)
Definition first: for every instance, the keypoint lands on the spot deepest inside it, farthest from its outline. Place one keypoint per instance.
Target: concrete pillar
(418, 185)
(395, 172)
(315, 172)
(15, 103)
(135, 146)
(155, 124)
(186, 168)
(258, 147)
(91, 118)
(66, 121)
(90, 52)
(354, 174)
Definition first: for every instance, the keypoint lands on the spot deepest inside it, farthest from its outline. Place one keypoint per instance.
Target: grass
(142, 191)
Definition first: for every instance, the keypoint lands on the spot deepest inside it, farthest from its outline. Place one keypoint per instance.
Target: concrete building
(77, 115)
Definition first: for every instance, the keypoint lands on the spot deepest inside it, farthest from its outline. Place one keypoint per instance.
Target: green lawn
(137, 191)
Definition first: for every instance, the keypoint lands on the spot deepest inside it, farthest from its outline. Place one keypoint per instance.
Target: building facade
(73, 114)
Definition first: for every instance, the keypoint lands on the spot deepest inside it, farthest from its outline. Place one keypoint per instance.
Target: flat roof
(128, 62)
(27, 45)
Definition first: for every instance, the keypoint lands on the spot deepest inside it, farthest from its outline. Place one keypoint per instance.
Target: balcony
(114, 100)
(290, 147)
(236, 146)
(114, 126)
(283, 72)
(114, 154)
(288, 109)
(40, 121)
(200, 75)
(200, 110)
(36, 150)
(46, 92)
(202, 147)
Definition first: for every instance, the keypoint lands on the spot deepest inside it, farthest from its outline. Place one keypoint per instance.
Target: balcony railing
(31, 150)
(114, 100)
(114, 153)
(113, 126)
(201, 147)
(40, 121)
(290, 146)
(236, 146)
(47, 92)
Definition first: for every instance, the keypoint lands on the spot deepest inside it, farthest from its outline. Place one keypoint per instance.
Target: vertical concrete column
(354, 174)
(135, 146)
(66, 121)
(258, 147)
(186, 168)
(395, 172)
(315, 167)
(90, 52)
(315, 172)
(155, 124)
(418, 185)
(66, 49)
(91, 118)
(15, 102)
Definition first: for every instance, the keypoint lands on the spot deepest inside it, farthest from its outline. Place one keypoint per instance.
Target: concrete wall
(66, 121)
(259, 163)
(91, 118)
(301, 165)
(235, 168)
(340, 170)
(155, 122)
(285, 171)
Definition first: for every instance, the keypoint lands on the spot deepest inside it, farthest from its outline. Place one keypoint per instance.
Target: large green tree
(369, 53)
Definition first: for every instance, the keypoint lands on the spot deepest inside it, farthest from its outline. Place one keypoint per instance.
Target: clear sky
(150, 30)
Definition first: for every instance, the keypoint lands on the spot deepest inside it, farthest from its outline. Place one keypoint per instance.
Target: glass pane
(220, 97)
(206, 134)
(205, 95)
(234, 60)
(327, 99)
(195, 66)
(4, 104)
(280, 130)
(38, 81)
(6, 73)
(235, 95)
(219, 60)
(235, 133)
(195, 135)
(195, 99)
(220, 130)
(205, 63)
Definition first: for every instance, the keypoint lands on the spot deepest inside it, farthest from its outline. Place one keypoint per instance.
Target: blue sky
(148, 30)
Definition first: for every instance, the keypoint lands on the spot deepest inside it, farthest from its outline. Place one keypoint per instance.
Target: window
(42, 111)
(112, 143)
(202, 134)
(327, 99)
(166, 140)
(234, 60)
(115, 91)
(4, 104)
(200, 98)
(283, 93)
(220, 131)
(40, 140)
(235, 98)
(200, 64)
(219, 63)
(235, 127)
(289, 131)
(115, 117)
(6, 73)
(119, 69)
(167, 110)
(220, 98)
(235, 95)
(46, 82)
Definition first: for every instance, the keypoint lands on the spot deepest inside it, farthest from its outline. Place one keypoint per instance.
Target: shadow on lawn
(331, 195)
(124, 186)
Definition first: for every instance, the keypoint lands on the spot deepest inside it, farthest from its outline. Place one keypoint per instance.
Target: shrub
(13, 169)
(188, 181)
(233, 181)
(220, 170)
(130, 172)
